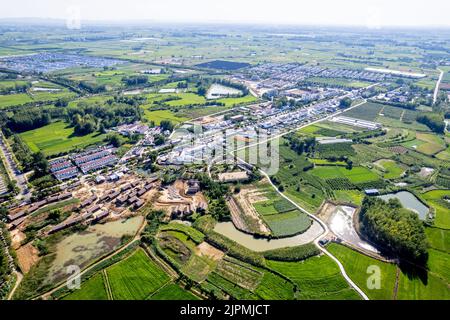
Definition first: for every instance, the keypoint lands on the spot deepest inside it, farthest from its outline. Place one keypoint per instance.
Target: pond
(84, 247)
(341, 224)
(409, 201)
(259, 244)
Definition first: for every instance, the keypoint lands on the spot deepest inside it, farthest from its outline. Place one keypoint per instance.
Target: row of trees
(434, 121)
(16, 88)
(135, 80)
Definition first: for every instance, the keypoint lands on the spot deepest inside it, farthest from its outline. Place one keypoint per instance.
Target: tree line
(395, 229)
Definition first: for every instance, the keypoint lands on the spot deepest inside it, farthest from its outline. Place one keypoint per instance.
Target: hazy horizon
(373, 14)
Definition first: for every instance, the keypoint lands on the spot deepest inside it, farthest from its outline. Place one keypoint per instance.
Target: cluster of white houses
(92, 160)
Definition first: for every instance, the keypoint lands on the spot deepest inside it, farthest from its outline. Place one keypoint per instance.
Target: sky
(370, 13)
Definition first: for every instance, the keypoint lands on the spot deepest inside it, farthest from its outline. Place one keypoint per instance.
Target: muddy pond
(84, 247)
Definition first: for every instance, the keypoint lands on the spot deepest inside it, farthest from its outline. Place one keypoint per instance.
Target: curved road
(316, 242)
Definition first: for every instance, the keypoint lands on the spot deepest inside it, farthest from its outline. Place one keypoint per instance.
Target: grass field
(426, 143)
(160, 115)
(92, 289)
(136, 277)
(58, 137)
(391, 169)
(328, 284)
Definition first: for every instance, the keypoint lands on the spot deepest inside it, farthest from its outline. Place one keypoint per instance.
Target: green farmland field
(160, 115)
(136, 277)
(172, 292)
(93, 289)
(58, 137)
(14, 99)
(326, 284)
(282, 217)
(355, 175)
(391, 169)
(409, 287)
(436, 200)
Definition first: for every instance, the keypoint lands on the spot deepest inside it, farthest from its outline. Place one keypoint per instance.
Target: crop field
(191, 233)
(283, 218)
(355, 175)
(92, 289)
(231, 288)
(300, 186)
(172, 292)
(409, 287)
(436, 200)
(425, 143)
(370, 153)
(11, 84)
(444, 155)
(368, 111)
(160, 115)
(356, 266)
(239, 273)
(438, 239)
(273, 287)
(198, 267)
(112, 79)
(136, 277)
(58, 137)
(327, 284)
(334, 150)
(14, 99)
(391, 169)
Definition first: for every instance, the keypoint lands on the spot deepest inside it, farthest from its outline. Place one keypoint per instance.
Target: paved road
(13, 170)
(438, 83)
(316, 242)
(301, 126)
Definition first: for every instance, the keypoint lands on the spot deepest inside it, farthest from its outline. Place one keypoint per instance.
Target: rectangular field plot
(355, 175)
(136, 277)
(58, 137)
(92, 289)
(368, 111)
